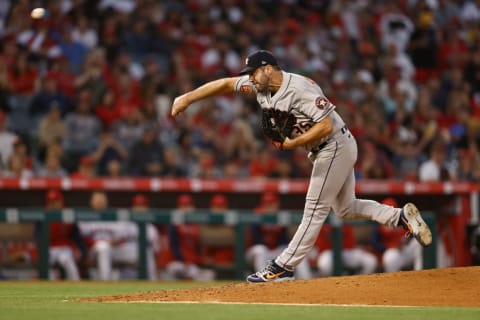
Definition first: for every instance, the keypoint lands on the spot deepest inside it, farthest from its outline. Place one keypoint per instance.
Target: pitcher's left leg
(350, 208)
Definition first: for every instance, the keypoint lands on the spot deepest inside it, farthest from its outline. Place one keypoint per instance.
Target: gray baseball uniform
(332, 182)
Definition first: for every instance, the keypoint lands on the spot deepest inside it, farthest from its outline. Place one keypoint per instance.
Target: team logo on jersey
(246, 89)
(322, 103)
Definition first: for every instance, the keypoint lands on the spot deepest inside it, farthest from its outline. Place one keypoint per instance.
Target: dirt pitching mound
(438, 287)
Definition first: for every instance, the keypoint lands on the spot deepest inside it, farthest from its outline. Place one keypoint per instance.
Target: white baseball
(38, 13)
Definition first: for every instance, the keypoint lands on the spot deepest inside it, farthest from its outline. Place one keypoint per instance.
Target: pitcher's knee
(344, 212)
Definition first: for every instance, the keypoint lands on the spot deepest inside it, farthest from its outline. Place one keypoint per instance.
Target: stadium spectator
(241, 144)
(207, 165)
(94, 76)
(146, 156)
(9, 49)
(129, 128)
(49, 97)
(446, 13)
(7, 140)
(60, 71)
(452, 50)
(423, 44)
(232, 170)
(5, 95)
(83, 130)
(171, 167)
(20, 164)
(125, 82)
(152, 78)
(24, 83)
(472, 76)
(50, 129)
(83, 32)
(138, 40)
(373, 163)
(395, 27)
(114, 169)
(107, 152)
(106, 110)
(72, 49)
(262, 164)
(434, 168)
(24, 77)
(86, 169)
(283, 169)
(52, 167)
(468, 167)
(110, 32)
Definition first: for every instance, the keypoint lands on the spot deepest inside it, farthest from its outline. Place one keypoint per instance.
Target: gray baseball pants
(332, 187)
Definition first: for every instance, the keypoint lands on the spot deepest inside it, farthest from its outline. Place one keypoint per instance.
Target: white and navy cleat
(271, 273)
(412, 221)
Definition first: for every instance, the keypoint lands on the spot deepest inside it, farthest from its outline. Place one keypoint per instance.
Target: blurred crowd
(86, 90)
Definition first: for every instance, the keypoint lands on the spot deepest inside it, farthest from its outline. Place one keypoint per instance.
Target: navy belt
(316, 149)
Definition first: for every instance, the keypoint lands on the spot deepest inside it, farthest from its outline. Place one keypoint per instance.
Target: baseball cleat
(411, 220)
(272, 272)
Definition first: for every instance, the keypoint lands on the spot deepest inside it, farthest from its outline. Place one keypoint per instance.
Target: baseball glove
(277, 125)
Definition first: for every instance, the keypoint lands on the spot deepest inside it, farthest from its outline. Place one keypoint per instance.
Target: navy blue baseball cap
(258, 59)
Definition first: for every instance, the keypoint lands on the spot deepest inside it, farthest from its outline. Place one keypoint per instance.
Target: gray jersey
(301, 97)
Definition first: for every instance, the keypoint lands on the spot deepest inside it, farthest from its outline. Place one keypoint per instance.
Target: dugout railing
(238, 219)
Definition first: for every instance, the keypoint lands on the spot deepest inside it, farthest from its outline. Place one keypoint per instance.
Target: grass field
(53, 300)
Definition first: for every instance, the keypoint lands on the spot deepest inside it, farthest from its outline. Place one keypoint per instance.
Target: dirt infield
(437, 287)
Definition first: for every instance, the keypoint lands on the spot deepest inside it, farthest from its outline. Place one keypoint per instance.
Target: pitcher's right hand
(179, 105)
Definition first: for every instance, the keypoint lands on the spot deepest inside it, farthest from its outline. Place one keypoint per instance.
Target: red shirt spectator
(453, 51)
(65, 79)
(10, 50)
(86, 169)
(263, 164)
(127, 95)
(24, 76)
(106, 111)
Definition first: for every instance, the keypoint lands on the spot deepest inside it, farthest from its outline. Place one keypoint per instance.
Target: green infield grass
(54, 301)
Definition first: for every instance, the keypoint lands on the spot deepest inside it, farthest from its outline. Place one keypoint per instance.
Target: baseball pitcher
(296, 113)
